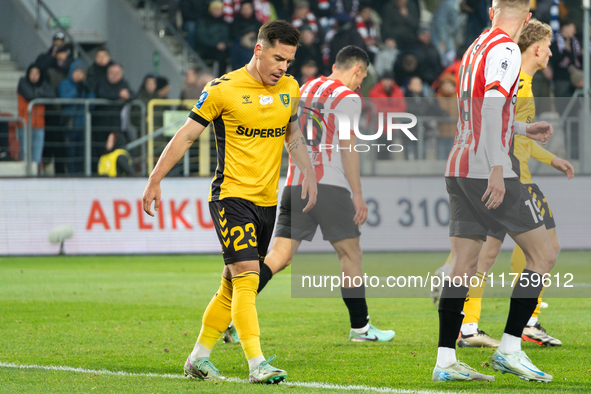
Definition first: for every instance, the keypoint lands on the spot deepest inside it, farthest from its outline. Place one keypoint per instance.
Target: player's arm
(539, 131)
(503, 64)
(542, 155)
(350, 159)
(296, 147)
(174, 151)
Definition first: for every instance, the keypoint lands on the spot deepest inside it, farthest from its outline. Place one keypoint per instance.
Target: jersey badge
(202, 99)
(265, 100)
(246, 99)
(285, 99)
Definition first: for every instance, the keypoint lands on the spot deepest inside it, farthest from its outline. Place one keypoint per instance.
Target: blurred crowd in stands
(415, 47)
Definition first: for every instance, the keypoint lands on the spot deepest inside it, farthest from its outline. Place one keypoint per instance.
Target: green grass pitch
(142, 314)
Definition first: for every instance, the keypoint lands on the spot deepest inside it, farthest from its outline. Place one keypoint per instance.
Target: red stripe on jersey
(496, 85)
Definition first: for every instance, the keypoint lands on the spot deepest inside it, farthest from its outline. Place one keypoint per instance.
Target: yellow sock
(448, 261)
(244, 313)
(473, 304)
(537, 311)
(217, 316)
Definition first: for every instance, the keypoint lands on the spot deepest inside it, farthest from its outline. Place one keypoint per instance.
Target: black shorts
(538, 200)
(334, 212)
(244, 229)
(469, 215)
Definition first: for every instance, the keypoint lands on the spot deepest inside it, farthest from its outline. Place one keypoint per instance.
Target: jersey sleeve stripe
(199, 119)
(496, 85)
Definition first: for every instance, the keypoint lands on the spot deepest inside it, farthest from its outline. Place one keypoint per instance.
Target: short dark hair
(279, 31)
(349, 56)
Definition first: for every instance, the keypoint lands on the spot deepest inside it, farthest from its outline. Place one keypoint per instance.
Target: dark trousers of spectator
(55, 138)
(75, 150)
(219, 56)
(190, 27)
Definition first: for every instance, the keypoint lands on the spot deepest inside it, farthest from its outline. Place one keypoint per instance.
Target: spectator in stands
(147, 90)
(446, 99)
(346, 34)
(73, 119)
(428, 57)
(115, 87)
(195, 80)
(116, 161)
(349, 7)
(390, 96)
(420, 106)
(478, 18)
(244, 32)
(98, 70)
(213, 37)
(309, 49)
(566, 51)
(60, 66)
(303, 16)
(366, 28)
(264, 10)
(33, 85)
(192, 12)
(46, 59)
(162, 87)
(401, 20)
(406, 66)
(386, 58)
(443, 30)
(308, 72)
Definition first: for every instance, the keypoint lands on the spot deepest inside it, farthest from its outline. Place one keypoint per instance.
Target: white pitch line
(235, 380)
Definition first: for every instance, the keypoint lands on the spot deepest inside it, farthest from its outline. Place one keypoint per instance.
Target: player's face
(544, 53)
(273, 61)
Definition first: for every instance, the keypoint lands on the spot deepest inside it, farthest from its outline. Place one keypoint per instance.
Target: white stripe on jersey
(327, 162)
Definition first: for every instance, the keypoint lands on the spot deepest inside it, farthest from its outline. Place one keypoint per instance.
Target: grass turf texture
(142, 314)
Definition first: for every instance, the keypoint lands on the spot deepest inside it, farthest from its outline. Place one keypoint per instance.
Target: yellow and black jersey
(249, 120)
(523, 147)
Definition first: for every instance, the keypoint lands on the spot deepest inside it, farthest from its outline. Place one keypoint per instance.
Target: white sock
(510, 344)
(361, 330)
(532, 321)
(199, 351)
(254, 362)
(446, 356)
(469, 328)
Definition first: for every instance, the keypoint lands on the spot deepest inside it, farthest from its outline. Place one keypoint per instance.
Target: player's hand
(360, 209)
(539, 131)
(495, 192)
(151, 193)
(564, 166)
(310, 189)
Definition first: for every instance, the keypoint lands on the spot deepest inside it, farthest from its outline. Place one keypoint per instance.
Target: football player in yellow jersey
(254, 113)
(534, 44)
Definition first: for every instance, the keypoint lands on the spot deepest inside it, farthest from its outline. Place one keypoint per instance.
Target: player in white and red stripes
(341, 207)
(486, 194)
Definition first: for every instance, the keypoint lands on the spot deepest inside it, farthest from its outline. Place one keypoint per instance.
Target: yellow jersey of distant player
(249, 121)
(524, 147)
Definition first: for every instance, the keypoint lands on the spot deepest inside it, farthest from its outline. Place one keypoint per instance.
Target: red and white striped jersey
(493, 61)
(324, 93)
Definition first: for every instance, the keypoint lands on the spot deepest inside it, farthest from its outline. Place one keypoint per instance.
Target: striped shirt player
(334, 211)
(492, 62)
